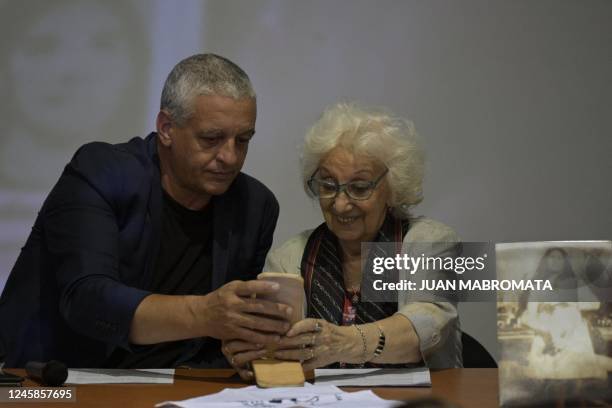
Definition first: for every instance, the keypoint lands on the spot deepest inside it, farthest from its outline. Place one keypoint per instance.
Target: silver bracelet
(363, 339)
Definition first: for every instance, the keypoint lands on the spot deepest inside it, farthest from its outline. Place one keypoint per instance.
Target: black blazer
(88, 261)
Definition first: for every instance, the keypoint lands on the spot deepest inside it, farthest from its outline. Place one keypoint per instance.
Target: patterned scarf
(321, 269)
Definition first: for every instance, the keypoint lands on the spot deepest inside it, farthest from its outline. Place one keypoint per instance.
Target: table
(466, 387)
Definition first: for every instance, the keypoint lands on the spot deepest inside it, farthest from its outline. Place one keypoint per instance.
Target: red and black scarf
(321, 268)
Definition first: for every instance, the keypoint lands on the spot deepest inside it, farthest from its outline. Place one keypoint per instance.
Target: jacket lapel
(154, 209)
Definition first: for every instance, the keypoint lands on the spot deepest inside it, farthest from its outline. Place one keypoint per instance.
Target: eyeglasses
(356, 190)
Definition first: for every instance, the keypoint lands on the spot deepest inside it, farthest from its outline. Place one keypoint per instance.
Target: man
(128, 260)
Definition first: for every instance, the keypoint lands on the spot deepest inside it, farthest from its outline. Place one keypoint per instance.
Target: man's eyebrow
(221, 133)
(249, 132)
(211, 133)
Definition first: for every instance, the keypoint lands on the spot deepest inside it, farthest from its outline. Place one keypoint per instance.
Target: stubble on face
(207, 153)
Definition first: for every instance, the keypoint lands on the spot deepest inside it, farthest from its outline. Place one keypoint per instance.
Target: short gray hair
(375, 134)
(202, 74)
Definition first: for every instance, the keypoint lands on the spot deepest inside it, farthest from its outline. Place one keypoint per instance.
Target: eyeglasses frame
(372, 184)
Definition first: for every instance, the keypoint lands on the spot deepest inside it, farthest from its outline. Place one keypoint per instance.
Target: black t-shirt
(184, 261)
(183, 267)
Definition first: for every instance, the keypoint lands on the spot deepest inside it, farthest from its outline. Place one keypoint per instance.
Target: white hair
(375, 134)
(202, 74)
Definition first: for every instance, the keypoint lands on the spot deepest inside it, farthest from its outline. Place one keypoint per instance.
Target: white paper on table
(120, 376)
(307, 396)
(374, 377)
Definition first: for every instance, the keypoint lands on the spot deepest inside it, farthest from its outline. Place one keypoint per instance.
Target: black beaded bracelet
(381, 342)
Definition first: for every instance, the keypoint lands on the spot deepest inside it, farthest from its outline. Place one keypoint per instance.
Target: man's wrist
(195, 315)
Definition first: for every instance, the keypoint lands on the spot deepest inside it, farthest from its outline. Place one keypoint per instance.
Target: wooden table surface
(465, 387)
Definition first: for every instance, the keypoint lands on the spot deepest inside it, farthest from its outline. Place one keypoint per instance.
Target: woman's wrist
(358, 343)
(364, 344)
(350, 343)
(373, 343)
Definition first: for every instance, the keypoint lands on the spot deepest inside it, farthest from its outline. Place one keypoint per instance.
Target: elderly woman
(366, 170)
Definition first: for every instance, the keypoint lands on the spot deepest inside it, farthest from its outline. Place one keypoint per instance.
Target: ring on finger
(317, 327)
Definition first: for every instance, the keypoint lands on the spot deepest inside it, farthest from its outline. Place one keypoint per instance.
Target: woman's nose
(342, 202)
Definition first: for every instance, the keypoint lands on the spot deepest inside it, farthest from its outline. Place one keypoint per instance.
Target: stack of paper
(374, 377)
(119, 376)
(307, 396)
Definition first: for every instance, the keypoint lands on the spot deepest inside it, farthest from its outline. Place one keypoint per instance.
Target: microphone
(53, 373)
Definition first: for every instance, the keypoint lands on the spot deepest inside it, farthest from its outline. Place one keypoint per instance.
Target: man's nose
(227, 152)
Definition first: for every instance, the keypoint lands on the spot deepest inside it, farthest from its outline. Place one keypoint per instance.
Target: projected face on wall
(73, 72)
(69, 69)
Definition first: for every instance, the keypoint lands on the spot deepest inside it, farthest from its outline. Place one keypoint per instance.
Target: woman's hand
(318, 343)
(240, 354)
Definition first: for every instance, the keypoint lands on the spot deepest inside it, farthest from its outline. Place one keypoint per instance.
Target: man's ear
(164, 126)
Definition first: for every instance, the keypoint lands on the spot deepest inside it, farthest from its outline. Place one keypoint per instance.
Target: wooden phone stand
(276, 373)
